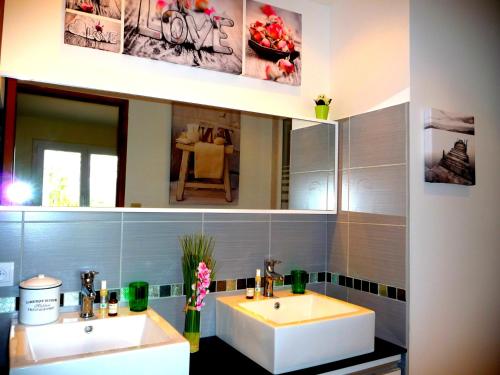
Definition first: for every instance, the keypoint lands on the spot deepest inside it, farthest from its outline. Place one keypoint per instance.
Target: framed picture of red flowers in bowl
(273, 49)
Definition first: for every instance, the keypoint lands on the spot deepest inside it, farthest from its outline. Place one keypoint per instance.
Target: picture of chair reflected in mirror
(205, 155)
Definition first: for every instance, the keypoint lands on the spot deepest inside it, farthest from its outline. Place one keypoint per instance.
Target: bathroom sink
(293, 332)
(131, 343)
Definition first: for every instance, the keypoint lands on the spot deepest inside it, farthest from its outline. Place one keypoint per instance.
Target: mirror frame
(13, 88)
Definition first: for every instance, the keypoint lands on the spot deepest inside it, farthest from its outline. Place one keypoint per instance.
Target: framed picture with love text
(199, 33)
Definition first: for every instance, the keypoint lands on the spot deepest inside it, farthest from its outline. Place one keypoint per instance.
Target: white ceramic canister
(39, 300)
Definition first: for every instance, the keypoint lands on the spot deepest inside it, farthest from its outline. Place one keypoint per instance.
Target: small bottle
(250, 293)
(112, 305)
(103, 293)
(257, 283)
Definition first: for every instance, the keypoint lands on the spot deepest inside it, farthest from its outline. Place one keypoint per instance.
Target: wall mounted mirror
(65, 147)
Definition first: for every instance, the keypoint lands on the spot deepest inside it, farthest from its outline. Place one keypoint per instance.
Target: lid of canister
(40, 282)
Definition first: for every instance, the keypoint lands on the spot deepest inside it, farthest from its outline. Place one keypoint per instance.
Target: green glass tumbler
(299, 281)
(138, 292)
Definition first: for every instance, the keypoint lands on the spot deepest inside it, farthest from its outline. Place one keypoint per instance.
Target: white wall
(256, 169)
(455, 230)
(148, 154)
(370, 55)
(33, 49)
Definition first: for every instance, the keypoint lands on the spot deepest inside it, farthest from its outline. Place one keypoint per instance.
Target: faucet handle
(88, 275)
(272, 262)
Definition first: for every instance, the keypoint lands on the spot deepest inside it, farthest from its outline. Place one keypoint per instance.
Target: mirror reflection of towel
(208, 160)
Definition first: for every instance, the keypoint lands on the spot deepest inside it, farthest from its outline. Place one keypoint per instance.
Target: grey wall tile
(151, 251)
(336, 291)
(378, 195)
(215, 216)
(172, 310)
(377, 252)
(317, 287)
(309, 149)
(344, 143)
(240, 247)
(331, 193)
(332, 156)
(5, 322)
(162, 216)
(308, 191)
(337, 247)
(10, 251)
(11, 216)
(378, 137)
(299, 217)
(299, 245)
(62, 250)
(390, 315)
(208, 312)
(343, 196)
(79, 216)
(331, 217)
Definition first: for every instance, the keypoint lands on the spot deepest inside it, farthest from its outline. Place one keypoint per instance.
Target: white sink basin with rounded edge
(131, 343)
(293, 332)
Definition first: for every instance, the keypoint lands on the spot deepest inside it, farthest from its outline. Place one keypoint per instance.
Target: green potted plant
(198, 268)
(322, 106)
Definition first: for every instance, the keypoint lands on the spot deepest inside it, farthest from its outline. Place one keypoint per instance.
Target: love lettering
(179, 28)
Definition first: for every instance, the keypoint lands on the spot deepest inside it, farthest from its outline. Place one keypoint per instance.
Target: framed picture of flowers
(273, 43)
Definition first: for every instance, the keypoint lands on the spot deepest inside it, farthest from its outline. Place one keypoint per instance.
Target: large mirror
(65, 147)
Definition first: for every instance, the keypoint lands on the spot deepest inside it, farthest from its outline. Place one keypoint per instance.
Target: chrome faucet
(87, 294)
(269, 276)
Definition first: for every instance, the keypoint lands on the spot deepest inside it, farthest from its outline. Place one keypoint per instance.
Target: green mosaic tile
(176, 290)
(123, 296)
(335, 278)
(230, 285)
(382, 290)
(313, 277)
(154, 292)
(278, 283)
(7, 305)
(71, 299)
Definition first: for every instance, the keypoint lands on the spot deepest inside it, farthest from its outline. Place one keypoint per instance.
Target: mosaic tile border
(70, 299)
(367, 286)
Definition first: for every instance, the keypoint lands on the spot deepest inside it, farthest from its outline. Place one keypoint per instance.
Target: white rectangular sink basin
(302, 331)
(131, 343)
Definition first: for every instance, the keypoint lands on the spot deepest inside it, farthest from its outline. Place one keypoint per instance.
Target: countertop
(217, 357)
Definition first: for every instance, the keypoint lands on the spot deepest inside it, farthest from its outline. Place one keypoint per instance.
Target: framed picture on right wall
(450, 154)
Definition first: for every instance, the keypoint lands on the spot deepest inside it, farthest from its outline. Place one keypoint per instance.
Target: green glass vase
(192, 329)
(322, 112)
(138, 292)
(299, 281)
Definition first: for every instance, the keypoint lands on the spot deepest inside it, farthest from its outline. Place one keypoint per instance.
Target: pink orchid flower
(202, 284)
